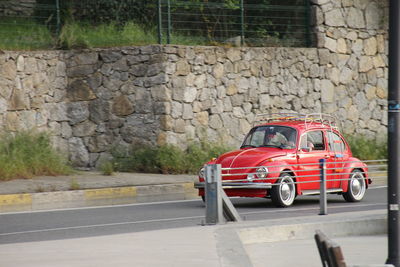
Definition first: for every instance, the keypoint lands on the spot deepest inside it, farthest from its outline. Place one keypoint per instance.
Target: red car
(279, 159)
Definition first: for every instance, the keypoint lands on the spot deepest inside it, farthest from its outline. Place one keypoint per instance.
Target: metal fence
(321, 173)
(69, 23)
(238, 23)
(30, 27)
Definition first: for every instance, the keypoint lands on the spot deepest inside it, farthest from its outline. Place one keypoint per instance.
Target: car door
(338, 155)
(312, 148)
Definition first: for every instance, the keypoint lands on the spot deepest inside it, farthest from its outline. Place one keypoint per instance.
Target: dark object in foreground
(331, 253)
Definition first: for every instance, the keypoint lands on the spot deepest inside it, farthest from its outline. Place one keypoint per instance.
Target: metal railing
(323, 173)
(48, 24)
(238, 23)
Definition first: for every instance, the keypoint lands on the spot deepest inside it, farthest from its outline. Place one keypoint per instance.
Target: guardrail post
(213, 197)
(322, 190)
(159, 9)
(169, 22)
(58, 26)
(241, 23)
(307, 23)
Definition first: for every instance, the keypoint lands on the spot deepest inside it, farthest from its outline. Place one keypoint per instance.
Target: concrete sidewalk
(84, 189)
(361, 235)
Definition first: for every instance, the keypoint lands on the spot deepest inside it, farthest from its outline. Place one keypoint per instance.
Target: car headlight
(262, 172)
(201, 172)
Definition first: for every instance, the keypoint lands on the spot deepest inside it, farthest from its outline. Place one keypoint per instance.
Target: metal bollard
(322, 190)
(213, 198)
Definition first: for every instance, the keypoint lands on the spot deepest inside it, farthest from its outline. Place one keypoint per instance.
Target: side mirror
(306, 149)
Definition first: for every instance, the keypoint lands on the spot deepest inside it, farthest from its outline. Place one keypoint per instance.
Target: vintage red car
(280, 159)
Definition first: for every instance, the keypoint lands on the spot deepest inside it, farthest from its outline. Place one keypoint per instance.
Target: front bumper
(200, 185)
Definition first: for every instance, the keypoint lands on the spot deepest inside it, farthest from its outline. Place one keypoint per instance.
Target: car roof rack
(309, 120)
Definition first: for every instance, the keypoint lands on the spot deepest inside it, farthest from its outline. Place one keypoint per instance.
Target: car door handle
(327, 156)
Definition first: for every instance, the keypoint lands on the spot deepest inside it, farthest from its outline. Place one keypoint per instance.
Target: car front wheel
(356, 187)
(284, 192)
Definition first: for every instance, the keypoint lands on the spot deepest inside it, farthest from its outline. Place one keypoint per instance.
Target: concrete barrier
(363, 223)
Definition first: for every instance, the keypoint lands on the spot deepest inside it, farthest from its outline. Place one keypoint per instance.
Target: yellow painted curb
(107, 193)
(15, 199)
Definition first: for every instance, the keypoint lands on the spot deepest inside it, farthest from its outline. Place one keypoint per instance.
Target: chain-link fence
(35, 24)
(27, 24)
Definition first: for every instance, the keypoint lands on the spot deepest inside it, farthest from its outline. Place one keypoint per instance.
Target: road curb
(332, 225)
(96, 197)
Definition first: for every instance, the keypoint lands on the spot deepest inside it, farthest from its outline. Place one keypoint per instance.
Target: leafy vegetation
(105, 23)
(24, 34)
(74, 185)
(107, 168)
(79, 35)
(366, 149)
(165, 159)
(25, 155)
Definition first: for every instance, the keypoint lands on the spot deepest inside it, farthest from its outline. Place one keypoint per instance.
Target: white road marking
(377, 187)
(178, 219)
(102, 207)
(129, 205)
(99, 225)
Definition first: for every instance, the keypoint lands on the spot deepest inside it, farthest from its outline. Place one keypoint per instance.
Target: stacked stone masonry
(17, 7)
(93, 100)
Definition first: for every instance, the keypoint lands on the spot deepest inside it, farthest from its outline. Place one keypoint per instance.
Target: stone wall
(352, 37)
(17, 7)
(92, 100)
(89, 100)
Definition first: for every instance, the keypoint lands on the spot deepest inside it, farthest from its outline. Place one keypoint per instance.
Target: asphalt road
(85, 222)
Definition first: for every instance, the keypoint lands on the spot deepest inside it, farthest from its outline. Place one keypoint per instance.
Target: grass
(77, 35)
(190, 40)
(366, 149)
(25, 155)
(107, 168)
(166, 159)
(27, 34)
(24, 34)
(74, 185)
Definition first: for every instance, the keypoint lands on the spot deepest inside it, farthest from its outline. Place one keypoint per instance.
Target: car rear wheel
(283, 194)
(356, 187)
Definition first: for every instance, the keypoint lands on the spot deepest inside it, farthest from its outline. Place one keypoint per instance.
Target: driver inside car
(275, 138)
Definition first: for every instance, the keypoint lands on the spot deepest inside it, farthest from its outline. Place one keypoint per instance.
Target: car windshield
(271, 136)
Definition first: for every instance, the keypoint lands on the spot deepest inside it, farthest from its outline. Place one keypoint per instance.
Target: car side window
(313, 140)
(336, 143)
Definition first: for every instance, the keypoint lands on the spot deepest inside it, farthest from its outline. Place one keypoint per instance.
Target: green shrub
(165, 159)
(107, 168)
(26, 154)
(136, 158)
(72, 36)
(197, 154)
(366, 149)
(171, 159)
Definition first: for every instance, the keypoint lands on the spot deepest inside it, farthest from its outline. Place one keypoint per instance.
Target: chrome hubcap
(285, 191)
(357, 185)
